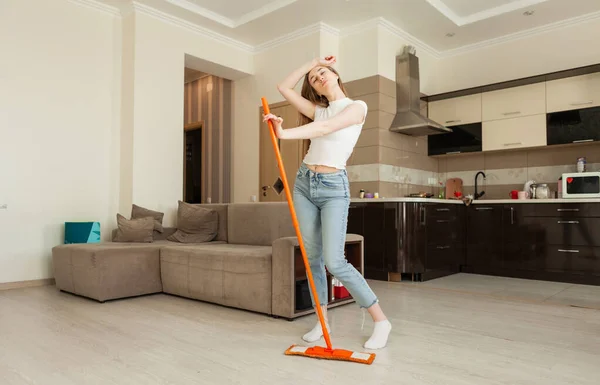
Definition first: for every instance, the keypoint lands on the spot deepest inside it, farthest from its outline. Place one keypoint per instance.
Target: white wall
(160, 55)
(247, 95)
(556, 50)
(56, 127)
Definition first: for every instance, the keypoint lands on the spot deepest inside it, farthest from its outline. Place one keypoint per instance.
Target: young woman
(333, 123)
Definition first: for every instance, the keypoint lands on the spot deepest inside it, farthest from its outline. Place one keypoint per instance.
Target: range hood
(408, 119)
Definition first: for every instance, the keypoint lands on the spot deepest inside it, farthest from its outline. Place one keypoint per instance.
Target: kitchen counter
(514, 201)
(407, 199)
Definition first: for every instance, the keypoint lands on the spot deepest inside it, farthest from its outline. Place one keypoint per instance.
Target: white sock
(316, 333)
(381, 331)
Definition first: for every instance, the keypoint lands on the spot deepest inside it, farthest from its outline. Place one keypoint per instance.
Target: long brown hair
(308, 92)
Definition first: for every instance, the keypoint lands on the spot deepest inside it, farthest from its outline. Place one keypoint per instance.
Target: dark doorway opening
(192, 166)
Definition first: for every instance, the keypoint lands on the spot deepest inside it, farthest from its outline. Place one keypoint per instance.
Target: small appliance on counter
(581, 185)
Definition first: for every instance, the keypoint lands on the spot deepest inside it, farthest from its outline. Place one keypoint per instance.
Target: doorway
(192, 164)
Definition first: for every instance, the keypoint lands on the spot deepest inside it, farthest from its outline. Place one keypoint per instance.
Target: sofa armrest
(282, 276)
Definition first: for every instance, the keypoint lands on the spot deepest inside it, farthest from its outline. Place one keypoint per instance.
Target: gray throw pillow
(138, 212)
(134, 230)
(195, 224)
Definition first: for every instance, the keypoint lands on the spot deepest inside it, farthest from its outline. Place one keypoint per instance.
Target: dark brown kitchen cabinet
(445, 228)
(413, 239)
(484, 237)
(368, 220)
(554, 241)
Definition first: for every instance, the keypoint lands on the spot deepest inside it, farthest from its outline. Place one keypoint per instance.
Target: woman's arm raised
(286, 87)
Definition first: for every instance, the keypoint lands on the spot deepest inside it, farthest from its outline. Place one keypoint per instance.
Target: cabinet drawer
(455, 111)
(565, 231)
(567, 210)
(442, 211)
(573, 93)
(446, 256)
(569, 259)
(514, 102)
(529, 131)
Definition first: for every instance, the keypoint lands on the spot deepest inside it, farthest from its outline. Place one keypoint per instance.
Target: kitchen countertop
(475, 202)
(407, 199)
(561, 200)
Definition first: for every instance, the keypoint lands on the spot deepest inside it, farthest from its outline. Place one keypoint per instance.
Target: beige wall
(58, 128)
(270, 66)
(556, 50)
(160, 50)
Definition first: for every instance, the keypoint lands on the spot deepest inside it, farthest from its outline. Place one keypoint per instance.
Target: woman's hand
(277, 121)
(326, 61)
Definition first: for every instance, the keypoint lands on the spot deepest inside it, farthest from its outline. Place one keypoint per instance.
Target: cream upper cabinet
(514, 102)
(573, 93)
(455, 111)
(527, 131)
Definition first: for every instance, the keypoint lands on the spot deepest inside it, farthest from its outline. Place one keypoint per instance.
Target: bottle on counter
(361, 194)
(581, 164)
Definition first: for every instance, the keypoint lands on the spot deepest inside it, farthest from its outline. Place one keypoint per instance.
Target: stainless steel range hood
(408, 119)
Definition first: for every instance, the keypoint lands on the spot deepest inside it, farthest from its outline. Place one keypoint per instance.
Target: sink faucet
(478, 195)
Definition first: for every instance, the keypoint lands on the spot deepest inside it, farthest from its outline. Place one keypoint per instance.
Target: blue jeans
(321, 201)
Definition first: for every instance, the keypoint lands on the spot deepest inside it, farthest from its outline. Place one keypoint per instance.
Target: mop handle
(288, 195)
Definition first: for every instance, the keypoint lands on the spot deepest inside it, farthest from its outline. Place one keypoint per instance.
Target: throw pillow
(138, 212)
(134, 230)
(195, 224)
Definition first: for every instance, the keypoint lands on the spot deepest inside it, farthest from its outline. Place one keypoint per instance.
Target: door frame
(199, 125)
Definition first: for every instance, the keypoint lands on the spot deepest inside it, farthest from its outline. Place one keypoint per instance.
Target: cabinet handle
(443, 221)
(483, 208)
(443, 247)
(423, 215)
(453, 121)
(511, 113)
(512, 215)
(583, 140)
(452, 152)
(513, 144)
(568, 251)
(582, 103)
(568, 222)
(567, 209)
(442, 209)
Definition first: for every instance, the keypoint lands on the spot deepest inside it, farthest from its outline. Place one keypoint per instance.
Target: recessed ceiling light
(450, 34)
(528, 13)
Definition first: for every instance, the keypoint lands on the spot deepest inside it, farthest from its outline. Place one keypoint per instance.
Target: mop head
(334, 354)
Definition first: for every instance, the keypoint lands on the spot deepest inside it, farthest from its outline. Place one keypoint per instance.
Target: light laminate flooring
(463, 329)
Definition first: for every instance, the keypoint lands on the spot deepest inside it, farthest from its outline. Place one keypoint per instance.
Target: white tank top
(334, 149)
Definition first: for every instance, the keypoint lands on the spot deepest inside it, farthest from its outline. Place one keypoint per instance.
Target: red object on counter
(514, 194)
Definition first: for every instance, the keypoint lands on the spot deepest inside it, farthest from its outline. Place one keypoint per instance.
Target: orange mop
(316, 351)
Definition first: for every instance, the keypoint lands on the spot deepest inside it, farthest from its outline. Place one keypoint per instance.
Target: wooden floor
(456, 330)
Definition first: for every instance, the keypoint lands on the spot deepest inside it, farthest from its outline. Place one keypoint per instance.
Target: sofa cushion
(231, 275)
(142, 212)
(134, 230)
(195, 224)
(259, 223)
(221, 209)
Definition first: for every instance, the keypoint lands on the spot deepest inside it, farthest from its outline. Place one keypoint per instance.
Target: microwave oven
(581, 185)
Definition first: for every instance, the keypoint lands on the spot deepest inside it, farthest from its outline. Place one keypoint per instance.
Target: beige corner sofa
(251, 264)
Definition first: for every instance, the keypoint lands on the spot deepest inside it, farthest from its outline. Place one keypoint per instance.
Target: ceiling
(442, 27)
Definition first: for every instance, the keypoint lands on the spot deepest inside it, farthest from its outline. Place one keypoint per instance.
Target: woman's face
(322, 79)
